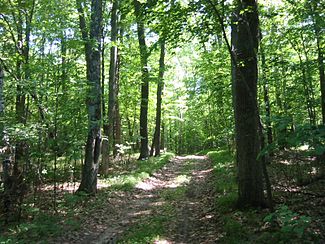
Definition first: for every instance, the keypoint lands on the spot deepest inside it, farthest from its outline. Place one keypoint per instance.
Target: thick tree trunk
(92, 51)
(156, 138)
(145, 82)
(245, 46)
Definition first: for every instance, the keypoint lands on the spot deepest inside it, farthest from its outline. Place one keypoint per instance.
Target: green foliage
(291, 225)
(42, 225)
(148, 231)
(225, 183)
(312, 137)
(174, 194)
(235, 231)
(143, 170)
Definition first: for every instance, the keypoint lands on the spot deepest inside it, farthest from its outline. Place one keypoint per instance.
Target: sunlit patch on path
(187, 175)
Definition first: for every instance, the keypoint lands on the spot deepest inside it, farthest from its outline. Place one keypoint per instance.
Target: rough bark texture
(92, 51)
(145, 82)
(156, 138)
(245, 47)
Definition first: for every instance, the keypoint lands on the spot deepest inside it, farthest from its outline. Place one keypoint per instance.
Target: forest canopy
(86, 85)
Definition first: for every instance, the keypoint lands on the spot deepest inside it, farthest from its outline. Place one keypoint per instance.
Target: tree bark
(266, 99)
(156, 138)
(25, 17)
(320, 60)
(145, 81)
(92, 52)
(117, 137)
(320, 53)
(245, 31)
(108, 143)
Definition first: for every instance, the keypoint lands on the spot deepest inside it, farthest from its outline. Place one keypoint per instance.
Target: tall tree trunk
(266, 99)
(320, 53)
(163, 133)
(245, 45)
(92, 52)
(3, 159)
(145, 81)
(156, 138)
(2, 104)
(25, 17)
(103, 82)
(117, 123)
(320, 59)
(108, 143)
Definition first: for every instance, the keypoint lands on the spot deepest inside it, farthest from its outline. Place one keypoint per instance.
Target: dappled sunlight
(158, 181)
(72, 187)
(155, 183)
(191, 157)
(150, 184)
(158, 203)
(202, 173)
(162, 241)
(140, 213)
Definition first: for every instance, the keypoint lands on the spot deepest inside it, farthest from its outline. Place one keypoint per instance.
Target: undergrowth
(40, 222)
(253, 226)
(144, 169)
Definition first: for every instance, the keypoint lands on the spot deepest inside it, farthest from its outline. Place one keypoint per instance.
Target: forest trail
(179, 194)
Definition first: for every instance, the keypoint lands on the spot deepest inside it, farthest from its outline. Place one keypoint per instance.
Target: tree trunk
(320, 60)
(156, 138)
(92, 52)
(108, 143)
(162, 140)
(23, 74)
(266, 99)
(144, 83)
(320, 56)
(245, 46)
(117, 123)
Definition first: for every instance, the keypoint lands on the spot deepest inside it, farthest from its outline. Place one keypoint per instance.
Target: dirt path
(184, 183)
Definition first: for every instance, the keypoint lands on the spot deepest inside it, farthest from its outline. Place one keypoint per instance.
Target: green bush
(291, 225)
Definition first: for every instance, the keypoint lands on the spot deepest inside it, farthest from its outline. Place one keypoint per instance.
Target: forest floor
(182, 199)
(174, 205)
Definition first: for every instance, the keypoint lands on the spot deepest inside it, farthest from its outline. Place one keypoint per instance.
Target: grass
(144, 169)
(40, 224)
(152, 229)
(236, 225)
(225, 183)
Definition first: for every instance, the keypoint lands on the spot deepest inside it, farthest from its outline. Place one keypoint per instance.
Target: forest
(162, 121)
